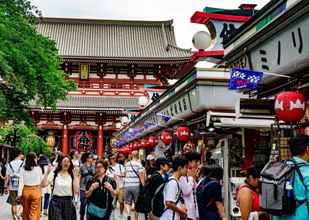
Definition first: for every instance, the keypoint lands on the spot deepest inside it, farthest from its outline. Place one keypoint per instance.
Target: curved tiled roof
(106, 39)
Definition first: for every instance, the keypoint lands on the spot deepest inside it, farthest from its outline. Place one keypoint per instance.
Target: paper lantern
(290, 106)
(152, 141)
(144, 143)
(166, 137)
(136, 145)
(183, 134)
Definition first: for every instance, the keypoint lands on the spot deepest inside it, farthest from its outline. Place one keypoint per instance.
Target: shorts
(131, 194)
(12, 197)
(120, 196)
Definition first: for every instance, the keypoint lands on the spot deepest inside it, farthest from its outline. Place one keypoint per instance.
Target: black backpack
(157, 201)
(277, 183)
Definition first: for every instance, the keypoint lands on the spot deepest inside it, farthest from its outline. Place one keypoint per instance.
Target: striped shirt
(132, 168)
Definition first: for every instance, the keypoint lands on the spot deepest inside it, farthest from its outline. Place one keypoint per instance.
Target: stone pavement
(5, 213)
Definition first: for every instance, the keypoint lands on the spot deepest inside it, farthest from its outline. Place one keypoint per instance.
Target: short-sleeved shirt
(207, 197)
(300, 192)
(117, 172)
(101, 196)
(86, 173)
(16, 165)
(132, 168)
(171, 193)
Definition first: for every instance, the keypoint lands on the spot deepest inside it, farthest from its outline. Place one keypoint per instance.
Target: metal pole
(226, 177)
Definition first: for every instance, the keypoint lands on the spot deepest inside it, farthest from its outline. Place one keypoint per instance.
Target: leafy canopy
(29, 63)
(25, 139)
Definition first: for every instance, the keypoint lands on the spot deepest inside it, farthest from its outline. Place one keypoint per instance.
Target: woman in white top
(29, 190)
(65, 186)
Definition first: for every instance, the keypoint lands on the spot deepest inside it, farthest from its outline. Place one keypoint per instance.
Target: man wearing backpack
(175, 209)
(156, 184)
(299, 147)
(12, 184)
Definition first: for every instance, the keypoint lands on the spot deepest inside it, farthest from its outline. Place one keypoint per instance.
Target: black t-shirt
(208, 193)
(101, 196)
(154, 182)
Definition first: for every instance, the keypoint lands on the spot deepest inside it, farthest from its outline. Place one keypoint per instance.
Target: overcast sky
(178, 10)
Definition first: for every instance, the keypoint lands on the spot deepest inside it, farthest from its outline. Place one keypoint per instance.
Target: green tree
(25, 138)
(29, 63)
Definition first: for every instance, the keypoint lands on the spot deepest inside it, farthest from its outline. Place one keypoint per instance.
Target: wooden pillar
(65, 140)
(100, 148)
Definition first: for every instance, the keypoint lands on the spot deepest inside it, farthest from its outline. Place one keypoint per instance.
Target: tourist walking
(65, 186)
(100, 192)
(188, 185)
(248, 196)
(29, 190)
(135, 175)
(155, 181)
(75, 158)
(117, 172)
(87, 171)
(175, 208)
(299, 147)
(12, 180)
(209, 193)
(2, 175)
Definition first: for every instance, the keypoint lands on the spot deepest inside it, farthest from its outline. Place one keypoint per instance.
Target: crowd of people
(177, 188)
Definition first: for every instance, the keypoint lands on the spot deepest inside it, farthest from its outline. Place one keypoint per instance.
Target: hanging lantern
(290, 106)
(183, 134)
(136, 145)
(144, 143)
(152, 141)
(166, 137)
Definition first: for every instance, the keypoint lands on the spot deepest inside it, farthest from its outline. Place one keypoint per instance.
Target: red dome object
(183, 134)
(290, 106)
(166, 137)
(144, 143)
(152, 141)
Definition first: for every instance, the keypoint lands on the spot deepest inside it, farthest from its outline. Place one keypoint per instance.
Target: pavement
(5, 213)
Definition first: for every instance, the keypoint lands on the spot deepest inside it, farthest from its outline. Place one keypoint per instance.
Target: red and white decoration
(290, 106)
(183, 133)
(166, 137)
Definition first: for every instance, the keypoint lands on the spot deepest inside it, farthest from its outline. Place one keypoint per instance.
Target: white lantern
(201, 40)
(124, 120)
(143, 101)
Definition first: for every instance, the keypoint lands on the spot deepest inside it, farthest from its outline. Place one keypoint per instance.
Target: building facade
(118, 66)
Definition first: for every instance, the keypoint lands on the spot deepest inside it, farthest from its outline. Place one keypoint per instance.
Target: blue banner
(244, 79)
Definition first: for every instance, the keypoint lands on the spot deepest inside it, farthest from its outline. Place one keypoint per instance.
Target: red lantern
(166, 137)
(144, 142)
(290, 106)
(152, 141)
(183, 134)
(135, 146)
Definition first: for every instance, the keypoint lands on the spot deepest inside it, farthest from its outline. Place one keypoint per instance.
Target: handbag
(96, 211)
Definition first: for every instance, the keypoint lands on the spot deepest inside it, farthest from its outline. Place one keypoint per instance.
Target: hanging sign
(84, 71)
(244, 79)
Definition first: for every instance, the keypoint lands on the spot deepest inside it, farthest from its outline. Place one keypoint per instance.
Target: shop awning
(244, 123)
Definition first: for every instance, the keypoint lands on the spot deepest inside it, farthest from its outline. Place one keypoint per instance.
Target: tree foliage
(25, 138)
(29, 62)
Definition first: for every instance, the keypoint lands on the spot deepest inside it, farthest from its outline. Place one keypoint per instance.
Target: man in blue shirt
(299, 147)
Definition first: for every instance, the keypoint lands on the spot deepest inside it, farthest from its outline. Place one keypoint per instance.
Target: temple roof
(113, 39)
(80, 102)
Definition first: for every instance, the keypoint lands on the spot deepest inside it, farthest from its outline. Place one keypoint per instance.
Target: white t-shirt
(63, 185)
(117, 172)
(17, 166)
(132, 168)
(30, 178)
(188, 187)
(171, 193)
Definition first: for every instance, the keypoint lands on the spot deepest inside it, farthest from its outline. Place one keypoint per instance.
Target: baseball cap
(150, 157)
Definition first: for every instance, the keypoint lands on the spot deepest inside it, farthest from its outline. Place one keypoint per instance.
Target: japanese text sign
(244, 79)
